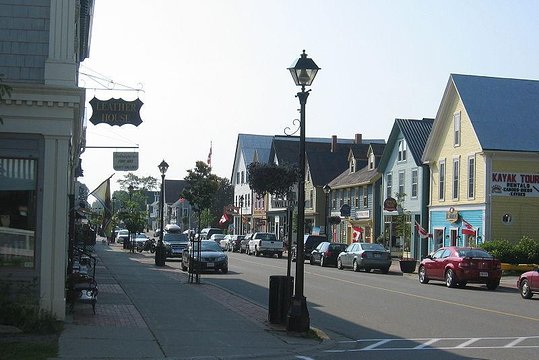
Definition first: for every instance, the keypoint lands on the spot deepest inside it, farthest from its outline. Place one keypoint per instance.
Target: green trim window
(18, 181)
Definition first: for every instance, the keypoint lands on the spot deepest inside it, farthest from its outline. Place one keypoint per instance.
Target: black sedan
(212, 257)
(326, 253)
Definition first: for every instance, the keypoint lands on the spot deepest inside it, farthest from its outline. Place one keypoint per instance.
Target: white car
(217, 238)
(122, 235)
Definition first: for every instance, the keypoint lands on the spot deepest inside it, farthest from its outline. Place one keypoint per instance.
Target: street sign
(125, 161)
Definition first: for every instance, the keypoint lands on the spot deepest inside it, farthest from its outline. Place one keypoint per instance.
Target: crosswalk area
(422, 344)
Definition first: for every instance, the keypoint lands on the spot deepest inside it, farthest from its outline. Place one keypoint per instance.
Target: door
(432, 265)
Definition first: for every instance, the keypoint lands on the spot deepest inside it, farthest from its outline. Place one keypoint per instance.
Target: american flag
(209, 155)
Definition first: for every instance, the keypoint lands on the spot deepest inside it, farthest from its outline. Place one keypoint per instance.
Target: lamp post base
(298, 319)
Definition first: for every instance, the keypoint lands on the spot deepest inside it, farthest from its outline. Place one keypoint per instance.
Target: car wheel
(257, 253)
(322, 262)
(339, 264)
(525, 290)
(184, 268)
(279, 255)
(355, 266)
(384, 270)
(450, 280)
(423, 279)
(224, 270)
(152, 249)
(311, 261)
(492, 285)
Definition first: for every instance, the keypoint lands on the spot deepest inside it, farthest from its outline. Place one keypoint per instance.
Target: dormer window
(371, 161)
(353, 165)
(402, 150)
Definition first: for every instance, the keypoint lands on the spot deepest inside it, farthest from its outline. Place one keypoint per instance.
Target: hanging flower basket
(407, 265)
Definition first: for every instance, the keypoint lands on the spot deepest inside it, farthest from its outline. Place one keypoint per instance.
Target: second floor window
(238, 177)
(365, 197)
(242, 177)
(441, 183)
(414, 183)
(401, 183)
(389, 185)
(471, 177)
(456, 178)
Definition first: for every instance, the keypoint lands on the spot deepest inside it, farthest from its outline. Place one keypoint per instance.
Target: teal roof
(504, 112)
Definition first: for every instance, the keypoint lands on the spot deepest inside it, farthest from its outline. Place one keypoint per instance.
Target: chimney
(333, 143)
(358, 139)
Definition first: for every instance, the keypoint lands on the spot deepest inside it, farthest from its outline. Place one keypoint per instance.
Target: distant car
(212, 257)
(217, 238)
(366, 256)
(122, 235)
(244, 243)
(263, 243)
(156, 232)
(527, 283)
(459, 266)
(234, 242)
(174, 244)
(310, 242)
(326, 253)
(206, 233)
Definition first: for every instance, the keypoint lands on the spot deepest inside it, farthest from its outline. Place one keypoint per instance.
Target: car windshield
(375, 247)
(474, 253)
(175, 237)
(208, 246)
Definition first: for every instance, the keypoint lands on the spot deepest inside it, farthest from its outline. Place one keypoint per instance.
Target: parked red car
(528, 282)
(459, 266)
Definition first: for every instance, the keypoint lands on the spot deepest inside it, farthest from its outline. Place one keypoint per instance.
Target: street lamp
(327, 190)
(160, 255)
(130, 189)
(303, 71)
(241, 214)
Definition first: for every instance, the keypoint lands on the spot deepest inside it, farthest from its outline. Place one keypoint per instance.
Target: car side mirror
(428, 257)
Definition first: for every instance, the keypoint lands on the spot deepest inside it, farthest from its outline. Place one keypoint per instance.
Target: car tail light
(464, 264)
(364, 255)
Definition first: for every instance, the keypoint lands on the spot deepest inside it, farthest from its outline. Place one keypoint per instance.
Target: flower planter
(407, 265)
(519, 267)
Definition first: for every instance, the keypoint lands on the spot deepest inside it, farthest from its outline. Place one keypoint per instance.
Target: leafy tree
(201, 188)
(403, 221)
(141, 183)
(223, 197)
(271, 179)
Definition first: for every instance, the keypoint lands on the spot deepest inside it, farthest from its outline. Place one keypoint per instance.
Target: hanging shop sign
(116, 112)
(452, 215)
(515, 184)
(125, 161)
(345, 210)
(390, 204)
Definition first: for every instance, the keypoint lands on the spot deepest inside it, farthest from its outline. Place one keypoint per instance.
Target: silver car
(365, 256)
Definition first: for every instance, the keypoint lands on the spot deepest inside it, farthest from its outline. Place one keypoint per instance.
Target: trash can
(280, 293)
(160, 254)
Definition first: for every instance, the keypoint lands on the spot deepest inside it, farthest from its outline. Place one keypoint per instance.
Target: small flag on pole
(102, 194)
(468, 229)
(209, 155)
(421, 231)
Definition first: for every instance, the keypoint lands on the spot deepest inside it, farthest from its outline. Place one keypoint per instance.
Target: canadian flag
(421, 231)
(356, 235)
(224, 219)
(468, 229)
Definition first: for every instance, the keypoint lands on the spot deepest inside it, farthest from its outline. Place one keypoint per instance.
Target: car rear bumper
(375, 263)
(478, 276)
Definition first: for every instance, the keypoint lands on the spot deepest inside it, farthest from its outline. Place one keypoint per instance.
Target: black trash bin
(280, 293)
(160, 254)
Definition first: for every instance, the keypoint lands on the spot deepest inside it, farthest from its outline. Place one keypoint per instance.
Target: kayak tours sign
(116, 112)
(515, 184)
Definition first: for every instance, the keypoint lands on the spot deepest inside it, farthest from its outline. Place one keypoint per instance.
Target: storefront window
(17, 212)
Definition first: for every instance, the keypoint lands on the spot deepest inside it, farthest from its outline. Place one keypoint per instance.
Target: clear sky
(213, 69)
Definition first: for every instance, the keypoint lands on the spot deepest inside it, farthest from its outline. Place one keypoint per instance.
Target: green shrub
(528, 249)
(525, 251)
(502, 250)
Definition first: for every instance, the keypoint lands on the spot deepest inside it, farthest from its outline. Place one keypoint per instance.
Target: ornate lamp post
(241, 214)
(160, 255)
(130, 189)
(327, 190)
(303, 72)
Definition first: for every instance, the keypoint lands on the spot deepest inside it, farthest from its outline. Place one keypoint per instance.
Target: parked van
(206, 233)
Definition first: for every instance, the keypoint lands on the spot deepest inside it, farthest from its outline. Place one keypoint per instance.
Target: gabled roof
(173, 189)
(286, 148)
(498, 107)
(360, 177)
(324, 166)
(415, 133)
(251, 144)
(504, 112)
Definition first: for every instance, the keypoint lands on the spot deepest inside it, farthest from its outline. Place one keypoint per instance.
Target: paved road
(381, 314)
